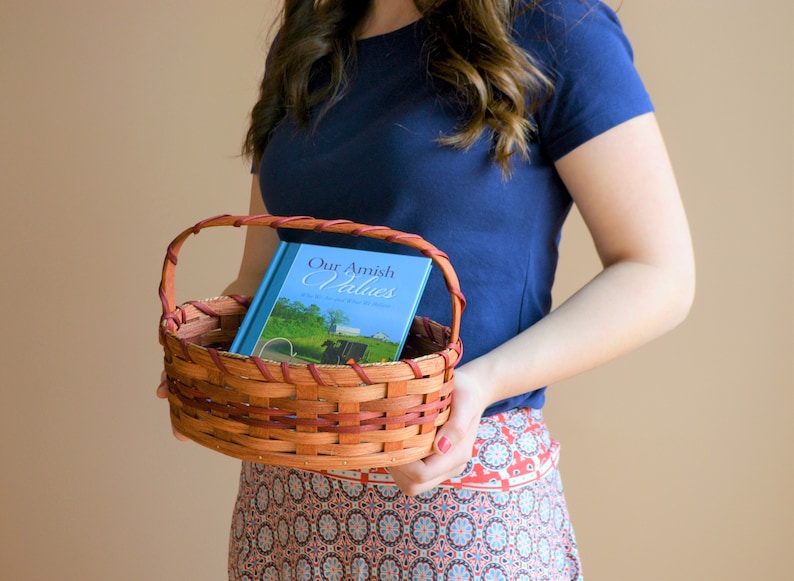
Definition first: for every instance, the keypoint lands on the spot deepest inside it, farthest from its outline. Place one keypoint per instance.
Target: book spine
(271, 292)
(243, 343)
(417, 298)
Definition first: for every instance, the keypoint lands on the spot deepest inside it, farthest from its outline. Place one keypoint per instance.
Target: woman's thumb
(454, 430)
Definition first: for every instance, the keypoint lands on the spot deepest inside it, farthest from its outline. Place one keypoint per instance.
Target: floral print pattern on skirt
(294, 525)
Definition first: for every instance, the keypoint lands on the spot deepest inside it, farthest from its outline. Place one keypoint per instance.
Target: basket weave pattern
(305, 415)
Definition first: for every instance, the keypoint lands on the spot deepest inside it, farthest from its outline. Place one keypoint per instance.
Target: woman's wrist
(473, 376)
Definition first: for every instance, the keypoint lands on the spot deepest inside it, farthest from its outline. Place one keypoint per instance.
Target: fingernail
(444, 445)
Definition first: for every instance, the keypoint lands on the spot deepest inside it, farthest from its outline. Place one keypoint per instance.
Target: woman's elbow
(680, 295)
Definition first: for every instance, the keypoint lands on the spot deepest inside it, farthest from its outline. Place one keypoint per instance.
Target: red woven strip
(268, 424)
(361, 373)
(348, 429)
(216, 359)
(262, 367)
(183, 314)
(183, 343)
(430, 252)
(384, 421)
(242, 410)
(429, 330)
(231, 408)
(317, 376)
(422, 419)
(163, 299)
(351, 417)
(285, 372)
(414, 367)
(402, 236)
(245, 219)
(204, 308)
(323, 226)
(209, 406)
(289, 219)
(289, 424)
(170, 317)
(241, 300)
(199, 225)
(365, 229)
(204, 406)
(171, 255)
(457, 293)
(195, 394)
(445, 355)
(198, 400)
(431, 406)
(293, 422)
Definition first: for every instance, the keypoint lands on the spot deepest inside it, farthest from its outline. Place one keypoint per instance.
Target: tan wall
(120, 122)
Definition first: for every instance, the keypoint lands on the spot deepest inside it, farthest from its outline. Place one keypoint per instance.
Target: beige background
(120, 122)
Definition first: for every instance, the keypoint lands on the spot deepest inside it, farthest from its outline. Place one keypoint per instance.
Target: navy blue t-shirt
(374, 158)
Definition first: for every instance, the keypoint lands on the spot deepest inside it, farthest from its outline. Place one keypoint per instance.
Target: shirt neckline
(409, 28)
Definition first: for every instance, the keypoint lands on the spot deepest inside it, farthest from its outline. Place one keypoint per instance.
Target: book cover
(328, 305)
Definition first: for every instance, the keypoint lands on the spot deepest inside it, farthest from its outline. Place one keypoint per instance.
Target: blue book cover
(327, 305)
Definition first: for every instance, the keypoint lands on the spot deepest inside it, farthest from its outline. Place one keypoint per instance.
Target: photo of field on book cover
(330, 305)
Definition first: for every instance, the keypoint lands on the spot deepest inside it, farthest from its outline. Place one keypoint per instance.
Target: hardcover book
(328, 305)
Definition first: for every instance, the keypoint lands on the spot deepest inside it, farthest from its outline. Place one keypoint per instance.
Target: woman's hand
(162, 393)
(454, 440)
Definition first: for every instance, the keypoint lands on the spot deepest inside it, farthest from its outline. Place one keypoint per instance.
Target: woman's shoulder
(564, 13)
(557, 26)
(581, 46)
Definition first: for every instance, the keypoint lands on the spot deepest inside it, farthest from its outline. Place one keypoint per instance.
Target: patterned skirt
(504, 517)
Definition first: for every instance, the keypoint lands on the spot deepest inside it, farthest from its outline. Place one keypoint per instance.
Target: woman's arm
(624, 187)
(260, 244)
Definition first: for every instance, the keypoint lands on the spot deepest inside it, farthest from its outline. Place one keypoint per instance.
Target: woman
(475, 123)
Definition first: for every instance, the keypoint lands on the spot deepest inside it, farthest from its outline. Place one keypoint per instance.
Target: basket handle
(441, 260)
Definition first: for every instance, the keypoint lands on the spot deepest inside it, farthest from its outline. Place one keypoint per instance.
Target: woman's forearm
(625, 306)
(624, 187)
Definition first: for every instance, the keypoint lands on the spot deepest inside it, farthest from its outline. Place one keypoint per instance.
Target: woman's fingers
(423, 475)
(454, 441)
(162, 393)
(162, 388)
(179, 435)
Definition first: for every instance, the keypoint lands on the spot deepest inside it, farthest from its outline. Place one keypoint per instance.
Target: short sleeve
(581, 45)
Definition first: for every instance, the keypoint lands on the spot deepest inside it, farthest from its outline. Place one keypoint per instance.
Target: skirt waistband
(512, 449)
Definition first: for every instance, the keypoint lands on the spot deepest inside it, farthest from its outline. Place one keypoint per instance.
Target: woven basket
(305, 415)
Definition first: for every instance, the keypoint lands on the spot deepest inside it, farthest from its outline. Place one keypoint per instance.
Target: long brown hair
(469, 48)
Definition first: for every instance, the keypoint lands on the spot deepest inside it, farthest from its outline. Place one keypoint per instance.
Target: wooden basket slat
(330, 456)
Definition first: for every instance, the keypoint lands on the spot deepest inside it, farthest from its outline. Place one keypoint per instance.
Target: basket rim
(169, 320)
(268, 370)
